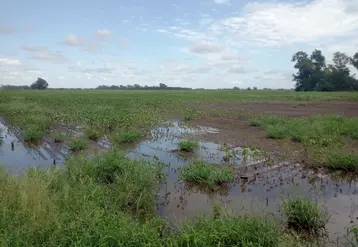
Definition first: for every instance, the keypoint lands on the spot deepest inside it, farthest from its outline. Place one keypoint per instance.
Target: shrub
(304, 215)
(188, 145)
(207, 174)
(276, 132)
(59, 137)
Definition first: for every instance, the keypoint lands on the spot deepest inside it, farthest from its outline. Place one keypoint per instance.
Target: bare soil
(344, 108)
(238, 132)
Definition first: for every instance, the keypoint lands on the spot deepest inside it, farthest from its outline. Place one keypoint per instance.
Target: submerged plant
(188, 145)
(207, 174)
(304, 215)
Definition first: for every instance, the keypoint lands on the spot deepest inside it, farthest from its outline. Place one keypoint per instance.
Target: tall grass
(126, 137)
(188, 145)
(79, 206)
(210, 175)
(304, 215)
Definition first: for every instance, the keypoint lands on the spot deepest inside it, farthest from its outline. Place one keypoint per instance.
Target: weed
(276, 132)
(92, 134)
(78, 145)
(127, 137)
(188, 145)
(229, 231)
(256, 122)
(304, 215)
(353, 231)
(33, 133)
(343, 161)
(211, 175)
(59, 137)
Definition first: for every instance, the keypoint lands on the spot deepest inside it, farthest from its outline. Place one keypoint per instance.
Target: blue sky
(199, 44)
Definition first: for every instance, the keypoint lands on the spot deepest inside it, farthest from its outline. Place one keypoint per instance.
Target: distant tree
(248, 88)
(162, 85)
(39, 84)
(354, 61)
(314, 75)
(255, 88)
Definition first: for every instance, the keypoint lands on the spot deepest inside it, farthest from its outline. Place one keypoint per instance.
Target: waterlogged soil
(259, 185)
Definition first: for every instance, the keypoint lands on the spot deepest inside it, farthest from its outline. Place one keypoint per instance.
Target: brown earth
(238, 132)
(345, 108)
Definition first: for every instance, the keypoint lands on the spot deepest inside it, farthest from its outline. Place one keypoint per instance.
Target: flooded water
(258, 188)
(16, 156)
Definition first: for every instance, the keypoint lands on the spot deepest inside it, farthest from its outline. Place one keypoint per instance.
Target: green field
(110, 200)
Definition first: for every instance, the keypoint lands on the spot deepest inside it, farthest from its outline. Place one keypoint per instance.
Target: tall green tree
(39, 84)
(305, 70)
(354, 61)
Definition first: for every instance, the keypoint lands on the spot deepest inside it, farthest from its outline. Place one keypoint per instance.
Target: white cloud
(222, 1)
(205, 47)
(103, 33)
(34, 48)
(10, 62)
(73, 40)
(240, 70)
(287, 23)
(50, 57)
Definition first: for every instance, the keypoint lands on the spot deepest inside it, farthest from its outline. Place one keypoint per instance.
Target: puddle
(16, 156)
(257, 189)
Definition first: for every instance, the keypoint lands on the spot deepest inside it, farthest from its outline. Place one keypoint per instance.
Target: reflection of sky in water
(16, 156)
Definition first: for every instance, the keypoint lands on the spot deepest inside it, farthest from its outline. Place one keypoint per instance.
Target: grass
(347, 162)
(304, 215)
(59, 137)
(33, 133)
(109, 201)
(127, 137)
(78, 145)
(188, 145)
(92, 134)
(210, 175)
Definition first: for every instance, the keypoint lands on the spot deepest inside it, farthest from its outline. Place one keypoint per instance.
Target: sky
(190, 43)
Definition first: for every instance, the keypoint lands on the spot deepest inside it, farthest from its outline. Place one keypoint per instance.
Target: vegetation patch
(78, 145)
(229, 231)
(347, 162)
(59, 137)
(33, 133)
(188, 145)
(92, 134)
(304, 215)
(127, 137)
(210, 175)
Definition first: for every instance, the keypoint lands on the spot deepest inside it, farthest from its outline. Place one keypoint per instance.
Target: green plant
(188, 145)
(92, 134)
(207, 174)
(353, 231)
(229, 231)
(276, 132)
(78, 145)
(127, 137)
(59, 137)
(256, 122)
(343, 161)
(33, 133)
(304, 215)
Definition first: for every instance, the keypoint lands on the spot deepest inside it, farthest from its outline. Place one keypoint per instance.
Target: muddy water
(259, 188)
(16, 156)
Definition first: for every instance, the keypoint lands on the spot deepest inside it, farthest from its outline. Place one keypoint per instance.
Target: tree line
(161, 86)
(315, 75)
